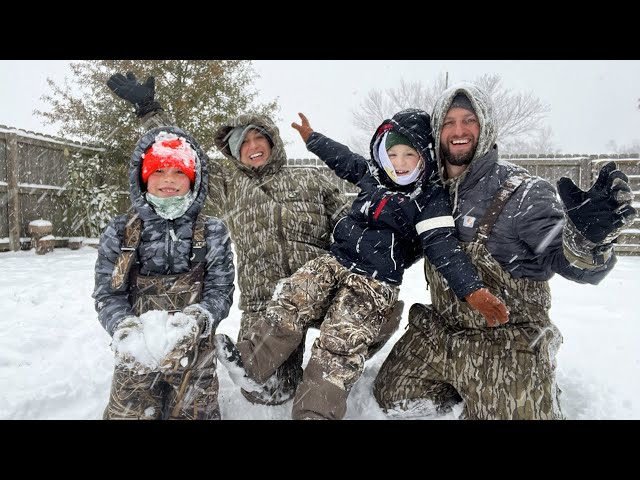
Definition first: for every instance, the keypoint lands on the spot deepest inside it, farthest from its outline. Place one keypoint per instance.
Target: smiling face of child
(168, 182)
(403, 158)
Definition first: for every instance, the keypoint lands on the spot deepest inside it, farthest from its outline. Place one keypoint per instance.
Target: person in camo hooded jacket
(279, 218)
(165, 255)
(518, 234)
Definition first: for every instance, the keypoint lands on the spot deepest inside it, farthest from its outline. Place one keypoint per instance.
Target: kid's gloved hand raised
(140, 95)
(305, 129)
(601, 212)
(492, 309)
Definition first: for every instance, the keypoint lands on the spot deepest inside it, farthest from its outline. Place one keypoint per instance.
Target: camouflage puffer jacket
(165, 245)
(279, 218)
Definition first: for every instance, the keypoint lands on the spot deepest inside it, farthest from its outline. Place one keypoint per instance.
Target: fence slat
(13, 195)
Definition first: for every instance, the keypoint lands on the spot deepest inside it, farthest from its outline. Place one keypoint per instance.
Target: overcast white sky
(592, 102)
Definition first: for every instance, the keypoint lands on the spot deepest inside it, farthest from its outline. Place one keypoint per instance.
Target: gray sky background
(592, 102)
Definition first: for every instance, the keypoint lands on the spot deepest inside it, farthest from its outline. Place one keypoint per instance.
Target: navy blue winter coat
(390, 226)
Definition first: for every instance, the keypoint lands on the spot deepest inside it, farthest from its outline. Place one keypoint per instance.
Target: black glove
(604, 209)
(140, 95)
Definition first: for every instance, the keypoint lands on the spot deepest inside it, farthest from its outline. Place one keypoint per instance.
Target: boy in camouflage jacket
(164, 255)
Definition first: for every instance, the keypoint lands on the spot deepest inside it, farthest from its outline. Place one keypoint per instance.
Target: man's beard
(459, 159)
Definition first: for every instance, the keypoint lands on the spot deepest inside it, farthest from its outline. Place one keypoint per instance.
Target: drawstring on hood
(455, 186)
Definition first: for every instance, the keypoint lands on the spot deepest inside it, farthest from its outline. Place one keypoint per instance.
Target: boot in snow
(229, 356)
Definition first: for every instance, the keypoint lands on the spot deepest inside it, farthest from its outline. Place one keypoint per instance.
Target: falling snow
(56, 361)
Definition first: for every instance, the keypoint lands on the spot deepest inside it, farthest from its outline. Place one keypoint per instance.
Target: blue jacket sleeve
(217, 294)
(112, 305)
(436, 229)
(346, 164)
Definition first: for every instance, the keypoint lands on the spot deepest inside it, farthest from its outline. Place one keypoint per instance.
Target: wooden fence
(33, 180)
(583, 170)
(33, 185)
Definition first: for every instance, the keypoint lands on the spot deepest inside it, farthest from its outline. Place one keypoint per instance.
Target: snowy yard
(56, 363)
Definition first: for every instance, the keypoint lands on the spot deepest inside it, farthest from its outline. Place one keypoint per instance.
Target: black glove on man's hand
(140, 95)
(604, 209)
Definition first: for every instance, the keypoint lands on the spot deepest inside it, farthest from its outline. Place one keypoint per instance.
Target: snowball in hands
(147, 348)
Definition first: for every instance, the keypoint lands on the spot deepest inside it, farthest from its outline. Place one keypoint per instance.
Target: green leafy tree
(197, 94)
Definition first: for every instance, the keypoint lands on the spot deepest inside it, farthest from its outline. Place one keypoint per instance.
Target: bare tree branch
(519, 115)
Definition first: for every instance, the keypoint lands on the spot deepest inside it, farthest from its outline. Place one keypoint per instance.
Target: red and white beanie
(169, 152)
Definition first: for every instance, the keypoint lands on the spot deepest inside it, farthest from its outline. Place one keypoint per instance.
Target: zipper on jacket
(263, 185)
(171, 236)
(283, 240)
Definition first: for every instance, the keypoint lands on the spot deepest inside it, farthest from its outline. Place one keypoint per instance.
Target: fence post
(13, 193)
(585, 173)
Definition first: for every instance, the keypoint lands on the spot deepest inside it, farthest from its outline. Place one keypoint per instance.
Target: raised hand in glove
(599, 213)
(139, 94)
(305, 129)
(492, 309)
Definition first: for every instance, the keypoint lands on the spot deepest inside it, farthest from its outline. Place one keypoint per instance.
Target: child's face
(168, 182)
(404, 159)
(255, 149)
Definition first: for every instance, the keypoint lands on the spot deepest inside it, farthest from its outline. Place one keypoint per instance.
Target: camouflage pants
(502, 373)
(185, 394)
(352, 308)
(281, 386)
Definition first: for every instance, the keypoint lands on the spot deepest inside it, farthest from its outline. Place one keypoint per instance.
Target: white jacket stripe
(435, 222)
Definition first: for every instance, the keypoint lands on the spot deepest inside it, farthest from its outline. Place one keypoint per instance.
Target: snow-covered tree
(91, 200)
(519, 114)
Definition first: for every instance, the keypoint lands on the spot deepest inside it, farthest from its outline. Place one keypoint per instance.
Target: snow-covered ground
(56, 363)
